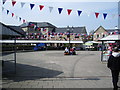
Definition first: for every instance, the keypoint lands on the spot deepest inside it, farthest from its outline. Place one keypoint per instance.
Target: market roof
(11, 30)
(111, 38)
(81, 30)
(37, 41)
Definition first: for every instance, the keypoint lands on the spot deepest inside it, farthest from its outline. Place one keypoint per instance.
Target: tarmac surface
(53, 69)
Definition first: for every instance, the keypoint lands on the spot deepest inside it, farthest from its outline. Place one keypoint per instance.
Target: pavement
(52, 69)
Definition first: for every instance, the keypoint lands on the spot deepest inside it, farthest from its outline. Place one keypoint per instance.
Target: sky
(87, 17)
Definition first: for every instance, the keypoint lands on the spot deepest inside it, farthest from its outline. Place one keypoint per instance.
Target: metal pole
(69, 41)
(15, 53)
(102, 51)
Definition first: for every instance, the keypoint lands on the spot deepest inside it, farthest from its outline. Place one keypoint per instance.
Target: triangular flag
(41, 7)
(69, 11)
(50, 8)
(12, 14)
(23, 20)
(2, 8)
(20, 18)
(79, 12)
(7, 11)
(31, 6)
(13, 2)
(104, 15)
(60, 10)
(97, 14)
(4, 1)
(16, 17)
(22, 4)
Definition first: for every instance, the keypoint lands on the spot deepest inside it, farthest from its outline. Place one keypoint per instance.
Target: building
(47, 31)
(101, 33)
(37, 30)
(10, 32)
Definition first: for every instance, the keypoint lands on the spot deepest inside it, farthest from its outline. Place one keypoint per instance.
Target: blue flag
(7, 11)
(104, 15)
(79, 12)
(60, 10)
(31, 6)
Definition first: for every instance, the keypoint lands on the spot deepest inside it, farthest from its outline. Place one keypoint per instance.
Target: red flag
(69, 11)
(96, 14)
(13, 2)
(12, 14)
(23, 20)
(41, 7)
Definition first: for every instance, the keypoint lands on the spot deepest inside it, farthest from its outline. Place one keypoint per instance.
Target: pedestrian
(114, 65)
(110, 50)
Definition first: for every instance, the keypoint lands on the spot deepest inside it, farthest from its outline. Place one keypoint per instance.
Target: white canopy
(111, 38)
(37, 41)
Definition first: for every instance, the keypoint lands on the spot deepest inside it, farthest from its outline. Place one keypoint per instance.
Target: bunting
(60, 10)
(13, 2)
(50, 9)
(23, 20)
(31, 6)
(4, 1)
(96, 14)
(104, 15)
(7, 11)
(69, 11)
(19, 18)
(79, 12)
(41, 7)
(12, 14)
(22, 4)
(2, 8)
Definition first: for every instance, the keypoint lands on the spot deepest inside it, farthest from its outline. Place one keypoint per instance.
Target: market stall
(111, 38)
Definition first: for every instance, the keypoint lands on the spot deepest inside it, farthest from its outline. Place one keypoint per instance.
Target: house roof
(38, 24)
(74, 30)
(111, 38)
(112, 30)
(108, 30)
(99, 28)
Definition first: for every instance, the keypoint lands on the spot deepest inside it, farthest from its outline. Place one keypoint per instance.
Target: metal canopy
(37, 41)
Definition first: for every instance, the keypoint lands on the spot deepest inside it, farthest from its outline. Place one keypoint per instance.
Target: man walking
(114, 65)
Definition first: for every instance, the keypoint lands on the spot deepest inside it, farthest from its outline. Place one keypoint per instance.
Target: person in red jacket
(114, 65)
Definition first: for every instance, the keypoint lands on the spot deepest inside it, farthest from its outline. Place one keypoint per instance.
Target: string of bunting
(13, 15)
(69, 11)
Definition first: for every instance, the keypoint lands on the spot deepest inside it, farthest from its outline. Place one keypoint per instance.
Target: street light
(68, 30)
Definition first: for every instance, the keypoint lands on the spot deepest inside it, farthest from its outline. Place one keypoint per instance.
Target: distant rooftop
(38, 24)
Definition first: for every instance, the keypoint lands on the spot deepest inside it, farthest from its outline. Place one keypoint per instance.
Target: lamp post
(68, 30)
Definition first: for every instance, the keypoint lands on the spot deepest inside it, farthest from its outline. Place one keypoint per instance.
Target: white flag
(2, 8)
(50, 8)
(22, 4)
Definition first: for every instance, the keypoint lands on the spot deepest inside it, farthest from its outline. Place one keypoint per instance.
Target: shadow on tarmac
(26, 72)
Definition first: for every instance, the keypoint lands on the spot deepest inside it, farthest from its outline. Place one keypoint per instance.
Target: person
(66, 51)
(110, 50)
(114, 65)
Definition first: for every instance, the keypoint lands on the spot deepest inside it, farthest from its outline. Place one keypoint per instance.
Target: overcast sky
(86, 19)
